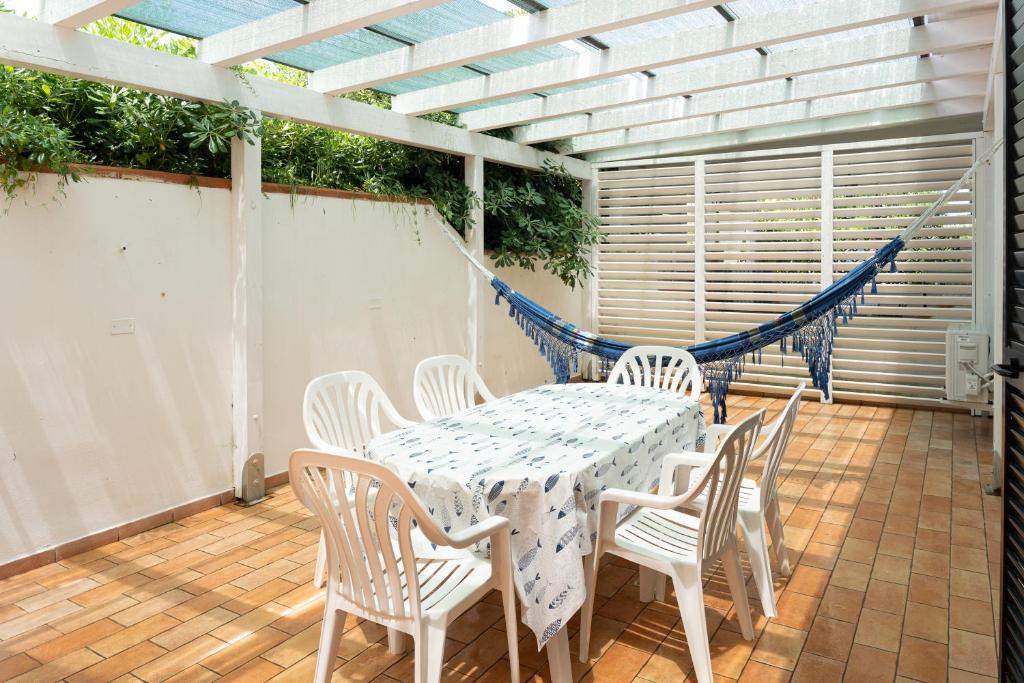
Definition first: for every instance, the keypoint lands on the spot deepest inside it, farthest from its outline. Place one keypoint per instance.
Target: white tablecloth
(541, 458)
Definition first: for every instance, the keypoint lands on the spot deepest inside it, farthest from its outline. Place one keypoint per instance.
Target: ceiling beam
(804, 21)
(743, 87)
(36, 45)
(301, 25)
(872, 122)
(876, 76)
(967, 87)
(78, 13)
(497, 39)
(944, 36)
(865, 116)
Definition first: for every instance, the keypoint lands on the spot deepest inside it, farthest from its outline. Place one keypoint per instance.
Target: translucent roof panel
(200, 18)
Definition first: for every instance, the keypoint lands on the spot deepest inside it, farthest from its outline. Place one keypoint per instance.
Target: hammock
(809, 329)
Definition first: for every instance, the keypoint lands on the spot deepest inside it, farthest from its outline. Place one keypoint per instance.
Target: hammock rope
(810, 329)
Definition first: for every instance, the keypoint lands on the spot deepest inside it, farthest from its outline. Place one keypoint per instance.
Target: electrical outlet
(122, 326)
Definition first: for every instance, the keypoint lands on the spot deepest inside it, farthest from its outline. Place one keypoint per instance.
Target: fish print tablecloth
(541, 458)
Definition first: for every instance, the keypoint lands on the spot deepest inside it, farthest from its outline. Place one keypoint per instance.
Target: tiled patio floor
(897, 571)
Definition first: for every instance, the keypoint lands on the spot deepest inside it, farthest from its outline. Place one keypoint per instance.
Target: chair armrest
(673, 462)
(714, 433)
(482, 389)
(394, 416)
(477, 532)
(649, 500)
(766, 437)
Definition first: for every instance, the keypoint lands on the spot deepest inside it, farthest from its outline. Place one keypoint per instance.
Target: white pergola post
(475, 243)
(827, 248)
(247, 305)
(592, 285)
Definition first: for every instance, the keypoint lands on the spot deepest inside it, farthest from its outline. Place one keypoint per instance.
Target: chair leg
(508, 599)
(396, 642)
(649, 581)
(774, 519)
(690, 596)
(330, 634)
(587, 612)
(757, 550)
(429, 655)
(320, 569)
(738, 588)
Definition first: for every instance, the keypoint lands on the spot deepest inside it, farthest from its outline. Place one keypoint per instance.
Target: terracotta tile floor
(895, 549)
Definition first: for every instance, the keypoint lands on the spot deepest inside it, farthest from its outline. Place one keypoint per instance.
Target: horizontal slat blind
(646, 283)
(762, 229)
(896, 344)
(763, 235)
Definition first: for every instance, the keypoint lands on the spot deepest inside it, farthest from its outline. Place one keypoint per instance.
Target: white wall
(97, 430)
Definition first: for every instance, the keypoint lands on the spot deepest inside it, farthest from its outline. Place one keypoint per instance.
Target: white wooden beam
(878, 100)
(804, 21)
(301, 25)
(592, 285)
(497, 39)
(875, 144)
(35, 45)
(78, 13)
(812, 97)
(939, 37)
(246, 305)
(995, 68)
(852, 123)
(838, 82)
(474, 175)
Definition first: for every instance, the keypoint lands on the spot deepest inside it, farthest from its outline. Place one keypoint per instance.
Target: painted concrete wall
(98, 429)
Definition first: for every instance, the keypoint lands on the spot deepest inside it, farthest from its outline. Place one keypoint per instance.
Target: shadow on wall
(98, 428)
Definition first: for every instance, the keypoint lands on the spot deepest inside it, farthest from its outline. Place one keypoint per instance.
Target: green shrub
(53, 121)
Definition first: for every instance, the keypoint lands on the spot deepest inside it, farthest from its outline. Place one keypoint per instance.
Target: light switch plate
(122, 326)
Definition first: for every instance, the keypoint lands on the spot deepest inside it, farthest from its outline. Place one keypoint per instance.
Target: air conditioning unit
(967, 364)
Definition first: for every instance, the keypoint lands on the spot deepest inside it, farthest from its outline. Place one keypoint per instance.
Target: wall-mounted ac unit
(967, 364)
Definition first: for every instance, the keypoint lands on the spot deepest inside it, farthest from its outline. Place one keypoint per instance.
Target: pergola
(605, 81)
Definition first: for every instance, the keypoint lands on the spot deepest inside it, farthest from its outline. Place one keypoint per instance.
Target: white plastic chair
(373, 572)
(346, 410)
(660, 367)
(662, 538)
(445, 385)
(343, 412)
(759, 504)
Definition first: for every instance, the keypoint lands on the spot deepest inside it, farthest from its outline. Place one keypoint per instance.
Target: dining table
(541, 459)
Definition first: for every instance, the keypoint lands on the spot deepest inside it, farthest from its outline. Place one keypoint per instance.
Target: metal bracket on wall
(254, 484)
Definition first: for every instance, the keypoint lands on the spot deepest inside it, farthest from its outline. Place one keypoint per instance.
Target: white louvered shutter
(896, 344)
(763, 235)
(762, 223)
(646, 283)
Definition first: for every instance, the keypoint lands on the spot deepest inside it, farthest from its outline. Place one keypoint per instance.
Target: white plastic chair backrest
(345, 410)
(370, 560)
(445, 385)
(722, 481)
(660, 367)
(773, 450)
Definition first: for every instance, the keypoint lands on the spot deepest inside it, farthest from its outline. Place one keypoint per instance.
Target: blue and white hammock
(810, 329)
